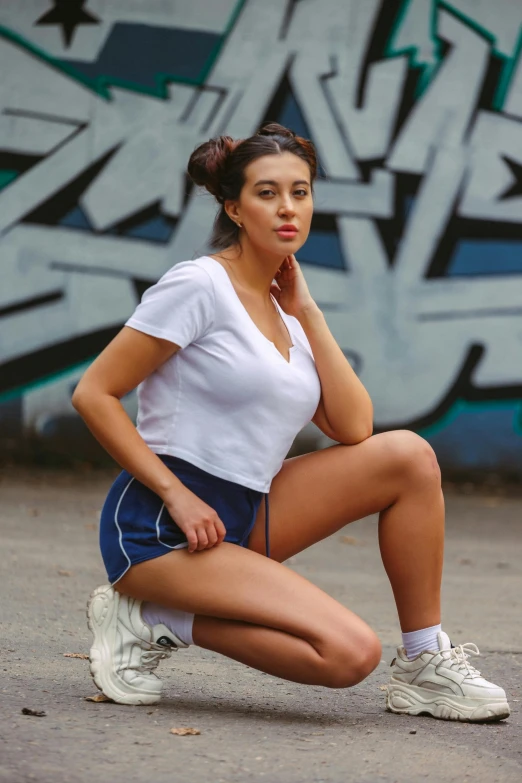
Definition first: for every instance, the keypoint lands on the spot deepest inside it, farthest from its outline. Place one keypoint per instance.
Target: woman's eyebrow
(273, 182)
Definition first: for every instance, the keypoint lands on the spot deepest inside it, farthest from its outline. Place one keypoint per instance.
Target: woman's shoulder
(194, 267)
(202, 270)
(185, 280)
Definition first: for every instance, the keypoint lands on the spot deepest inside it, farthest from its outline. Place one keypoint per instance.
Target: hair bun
(208, 161)
(274, 129)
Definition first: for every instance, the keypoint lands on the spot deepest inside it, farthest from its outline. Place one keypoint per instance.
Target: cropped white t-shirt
(228, 401)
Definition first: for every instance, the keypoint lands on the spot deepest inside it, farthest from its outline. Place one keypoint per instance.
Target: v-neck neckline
(256, 327)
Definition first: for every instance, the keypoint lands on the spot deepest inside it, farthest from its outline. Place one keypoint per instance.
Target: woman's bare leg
(260, 613)
(278, 622)
(395, 474)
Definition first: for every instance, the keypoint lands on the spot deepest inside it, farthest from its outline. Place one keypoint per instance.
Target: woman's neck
(253, 270)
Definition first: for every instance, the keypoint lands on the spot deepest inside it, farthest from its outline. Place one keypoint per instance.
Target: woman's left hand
(291, 290)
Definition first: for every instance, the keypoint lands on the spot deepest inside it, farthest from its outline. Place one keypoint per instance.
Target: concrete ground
(253, 726)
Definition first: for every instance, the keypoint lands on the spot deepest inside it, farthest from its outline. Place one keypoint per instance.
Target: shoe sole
(412, 700)
(102, 605)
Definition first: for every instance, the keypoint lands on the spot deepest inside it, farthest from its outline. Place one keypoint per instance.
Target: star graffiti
(69, 14)
(515, 188)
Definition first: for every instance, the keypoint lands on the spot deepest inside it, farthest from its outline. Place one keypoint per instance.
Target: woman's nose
(286, 207)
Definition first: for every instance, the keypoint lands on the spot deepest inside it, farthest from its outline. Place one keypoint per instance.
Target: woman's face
(275, 205)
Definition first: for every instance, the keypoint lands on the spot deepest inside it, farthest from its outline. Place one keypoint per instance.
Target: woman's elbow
(82, 397)
(77, 399)
(368, 432)
(357, 435)
(363, 434)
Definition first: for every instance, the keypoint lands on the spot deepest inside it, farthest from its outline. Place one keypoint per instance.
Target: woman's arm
(124, 363)
(345, 412)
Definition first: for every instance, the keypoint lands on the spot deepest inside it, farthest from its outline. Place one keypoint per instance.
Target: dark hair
(219, 165)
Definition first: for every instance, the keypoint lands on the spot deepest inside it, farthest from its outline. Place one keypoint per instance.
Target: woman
(233, 358)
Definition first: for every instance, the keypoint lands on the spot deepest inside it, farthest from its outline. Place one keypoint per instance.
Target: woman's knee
(349, 662)
(413, 457)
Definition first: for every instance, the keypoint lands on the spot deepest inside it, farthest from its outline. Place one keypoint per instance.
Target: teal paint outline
(517, 421)
(234, 16)
(7, 176)
(429, 71)
(54, 62)
(464, 406)
(101, 84)
(509, 62)
(18, 391)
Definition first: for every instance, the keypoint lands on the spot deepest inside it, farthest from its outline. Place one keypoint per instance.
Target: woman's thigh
(232, 582)
(316, 494)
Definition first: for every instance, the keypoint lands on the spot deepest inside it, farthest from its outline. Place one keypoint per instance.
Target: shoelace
(459, 657)
(151, 658)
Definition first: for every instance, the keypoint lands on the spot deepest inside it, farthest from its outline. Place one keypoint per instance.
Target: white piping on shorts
(176, 546)
(120, 531)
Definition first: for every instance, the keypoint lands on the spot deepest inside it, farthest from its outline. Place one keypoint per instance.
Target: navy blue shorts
(135, 525)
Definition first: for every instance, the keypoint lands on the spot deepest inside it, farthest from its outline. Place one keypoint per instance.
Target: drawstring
(267, 526)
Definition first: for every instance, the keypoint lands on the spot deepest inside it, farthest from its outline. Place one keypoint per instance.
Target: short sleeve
(179, 307)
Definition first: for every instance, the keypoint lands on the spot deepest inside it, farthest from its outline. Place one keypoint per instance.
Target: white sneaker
(126, 651)
(442, 683)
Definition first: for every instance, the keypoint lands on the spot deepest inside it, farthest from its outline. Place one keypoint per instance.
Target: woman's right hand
(199, 521)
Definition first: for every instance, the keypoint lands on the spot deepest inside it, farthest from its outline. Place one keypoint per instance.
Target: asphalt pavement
(252, 726)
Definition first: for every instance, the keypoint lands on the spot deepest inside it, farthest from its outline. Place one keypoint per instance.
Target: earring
(240, 225)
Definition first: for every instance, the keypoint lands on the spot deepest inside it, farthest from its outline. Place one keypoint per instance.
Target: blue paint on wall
(76, 218)
(479, 438)
(322, 248)
(157, 229)
(292, 117)
(481, 256)
(486, 257)
(137, 53)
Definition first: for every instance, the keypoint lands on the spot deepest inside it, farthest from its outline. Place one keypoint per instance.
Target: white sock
(417, 642)
(180, 623)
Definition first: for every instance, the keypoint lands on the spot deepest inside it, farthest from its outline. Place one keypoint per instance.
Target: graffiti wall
(415, 254)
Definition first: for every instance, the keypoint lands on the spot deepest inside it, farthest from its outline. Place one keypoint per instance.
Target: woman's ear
(231, 208)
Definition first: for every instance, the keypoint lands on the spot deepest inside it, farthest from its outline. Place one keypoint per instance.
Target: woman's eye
(266, 193)
(301, 192)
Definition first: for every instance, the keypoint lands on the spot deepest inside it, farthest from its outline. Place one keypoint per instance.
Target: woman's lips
(287, 233)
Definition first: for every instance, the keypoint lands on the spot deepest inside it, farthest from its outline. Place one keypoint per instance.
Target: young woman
(233, 357)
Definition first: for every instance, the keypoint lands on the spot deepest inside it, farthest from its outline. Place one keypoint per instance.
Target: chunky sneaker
(125, 650)
(442, 683)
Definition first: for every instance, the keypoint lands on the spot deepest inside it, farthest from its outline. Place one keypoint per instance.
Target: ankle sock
(180, 623)
(417, 642)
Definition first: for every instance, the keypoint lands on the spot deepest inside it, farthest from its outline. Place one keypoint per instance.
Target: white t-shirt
(228, 402)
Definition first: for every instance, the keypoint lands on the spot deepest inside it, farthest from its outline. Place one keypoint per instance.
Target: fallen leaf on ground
(383, 687)
(63, 572)
(351, 540)
(182, 731)
(36, 713)
(465, 561)
(90, 526)
(83, 656)
(98, 697)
